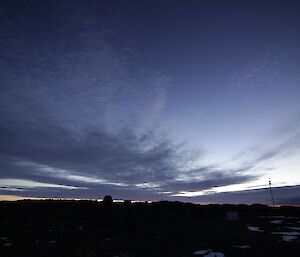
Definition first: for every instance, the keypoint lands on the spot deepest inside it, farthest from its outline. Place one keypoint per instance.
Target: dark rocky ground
(89, 228)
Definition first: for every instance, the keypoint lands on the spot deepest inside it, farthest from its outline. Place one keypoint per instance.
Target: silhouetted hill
(91, 228)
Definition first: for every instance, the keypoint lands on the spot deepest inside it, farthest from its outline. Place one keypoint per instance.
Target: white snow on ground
(215, 254)
(212, 254)
(202, 252)
(218, 254)
(289, 238)
(291, 233)
(294, 228)
(254, 229)
(277, 217)
(209, 253)
(276, 221)
(6, 241)
(242, 246)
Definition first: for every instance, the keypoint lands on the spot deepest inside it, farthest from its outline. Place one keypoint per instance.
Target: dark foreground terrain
(89, 228)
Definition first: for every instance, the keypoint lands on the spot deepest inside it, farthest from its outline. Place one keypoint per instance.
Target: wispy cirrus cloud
(79, 118)
(268, 72)
(283, 142)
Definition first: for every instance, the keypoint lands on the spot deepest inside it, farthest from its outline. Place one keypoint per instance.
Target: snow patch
(6, 241)
(254, 229)
(294, 228)
(276, 221)
(209, 253)
(202, 252)
(291, 233)
(289, 238)
(242, 246)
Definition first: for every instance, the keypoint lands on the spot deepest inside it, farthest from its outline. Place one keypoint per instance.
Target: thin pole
(270, 185)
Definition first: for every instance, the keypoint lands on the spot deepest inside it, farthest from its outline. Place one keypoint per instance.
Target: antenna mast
(270, 185)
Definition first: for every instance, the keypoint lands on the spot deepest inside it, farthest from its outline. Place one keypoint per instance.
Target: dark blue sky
(147, 100)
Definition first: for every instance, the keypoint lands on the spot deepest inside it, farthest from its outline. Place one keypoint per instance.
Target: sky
(194, 101)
